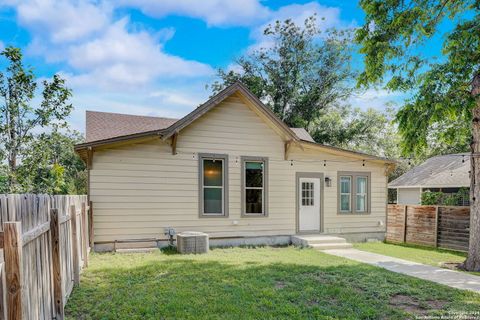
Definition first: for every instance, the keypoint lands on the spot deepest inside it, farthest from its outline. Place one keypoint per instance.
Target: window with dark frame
(213, 185)
(254, 186)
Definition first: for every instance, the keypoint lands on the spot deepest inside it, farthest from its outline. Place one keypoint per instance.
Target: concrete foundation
(236, 242)
(361, 236)
(251, 241)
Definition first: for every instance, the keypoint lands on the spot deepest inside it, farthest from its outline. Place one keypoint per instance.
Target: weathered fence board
(40, 262)
(396, 223)
(440, 226)
(454, 227)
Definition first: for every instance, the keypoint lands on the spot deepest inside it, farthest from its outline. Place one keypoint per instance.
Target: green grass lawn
(260, 283)
(426, 255)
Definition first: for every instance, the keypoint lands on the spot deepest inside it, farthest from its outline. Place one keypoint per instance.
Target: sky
(151, 57)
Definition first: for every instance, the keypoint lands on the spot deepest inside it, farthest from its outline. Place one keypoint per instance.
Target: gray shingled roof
(437, 172)
(106, 125)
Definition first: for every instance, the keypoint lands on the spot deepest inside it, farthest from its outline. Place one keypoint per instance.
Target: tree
(370, 131)
(445, 91)
(50, 165)
(18, 118)
(304, 71)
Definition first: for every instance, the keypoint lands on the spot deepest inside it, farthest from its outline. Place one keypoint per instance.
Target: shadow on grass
(169, 250)
(196, 289)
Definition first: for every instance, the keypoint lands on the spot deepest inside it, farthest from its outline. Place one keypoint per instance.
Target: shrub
(446, 199)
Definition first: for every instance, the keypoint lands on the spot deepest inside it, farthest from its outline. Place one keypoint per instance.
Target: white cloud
(375, 98)
(61, 20)
(98, 50)
(214, 12)
(170, 97)
(115, 65)
(122, 58)
(2, 45)
(173, 101)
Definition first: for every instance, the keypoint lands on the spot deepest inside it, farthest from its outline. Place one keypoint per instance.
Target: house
(231, 169)
(445, 173)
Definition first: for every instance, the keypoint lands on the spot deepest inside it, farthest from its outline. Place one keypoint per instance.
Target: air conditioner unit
(192, 242)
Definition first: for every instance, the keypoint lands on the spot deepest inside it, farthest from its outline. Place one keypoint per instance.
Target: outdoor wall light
(328, 182)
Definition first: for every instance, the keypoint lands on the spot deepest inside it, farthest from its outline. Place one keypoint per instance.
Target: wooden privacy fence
(45, 244)
(439, 226)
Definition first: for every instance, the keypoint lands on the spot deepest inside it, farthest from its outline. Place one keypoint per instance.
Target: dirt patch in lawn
(312, 303)
(280, 285)
(410, 305)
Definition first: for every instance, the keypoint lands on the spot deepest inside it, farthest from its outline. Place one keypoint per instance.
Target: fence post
(56, 268)
(76, 262)
(13, 268)
(90, 224)
(405, 224)
(84, 235)
(436, 226)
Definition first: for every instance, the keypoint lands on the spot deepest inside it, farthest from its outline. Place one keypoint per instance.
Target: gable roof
(237, 87)
(451, 170)
(106, 131)
(106, 125)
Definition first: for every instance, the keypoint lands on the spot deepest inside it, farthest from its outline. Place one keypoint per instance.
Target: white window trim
(364, 195)
(343, 194)
(308, 200)
(354, 175)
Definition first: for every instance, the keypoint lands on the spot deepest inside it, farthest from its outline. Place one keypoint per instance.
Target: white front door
(309, 204)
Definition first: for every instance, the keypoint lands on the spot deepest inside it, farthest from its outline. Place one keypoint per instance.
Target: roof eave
(361, 155)
(103, 142)
(427, 186)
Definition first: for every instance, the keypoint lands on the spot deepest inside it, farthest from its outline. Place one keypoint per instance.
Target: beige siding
(139, 189)
(409, 195)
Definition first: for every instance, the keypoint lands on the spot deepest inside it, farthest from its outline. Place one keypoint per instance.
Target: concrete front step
(325, 239)
(306, 240)
(328, 246)
(320, 242)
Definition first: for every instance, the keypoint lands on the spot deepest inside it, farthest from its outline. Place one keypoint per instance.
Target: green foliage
(19, 119)
(441, 198)
(369, 131)
(392, 40)
(305, 77)
(266, 283)
(50, 165)
(3, 179)
(432, 198)
(301, 75)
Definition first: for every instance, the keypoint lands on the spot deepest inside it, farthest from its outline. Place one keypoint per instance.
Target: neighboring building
(447, 174)
(231, 169)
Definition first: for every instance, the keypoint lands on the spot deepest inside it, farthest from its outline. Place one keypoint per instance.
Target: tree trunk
(12, 171)
(12, 154)
(473, 261)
